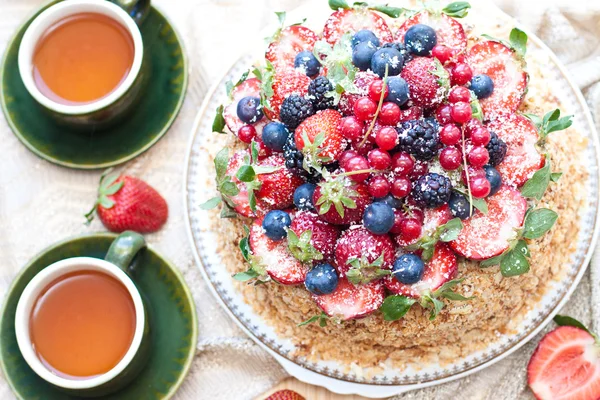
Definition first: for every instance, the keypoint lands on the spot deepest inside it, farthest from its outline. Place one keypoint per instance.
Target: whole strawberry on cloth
(285, 394)
(128, 203)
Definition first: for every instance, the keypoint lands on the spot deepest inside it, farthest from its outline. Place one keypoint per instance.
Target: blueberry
(362, 55)
(459, 206)
(276, 223)
(482, 85)
(387, 56)
(363, 36)
(397, 90)
(322, 279)
(390, 201)
(249, 110)
(378, 218)
(303, 196)
(408, 269)
(420, 39)
(274, 135)
(307, 61)
(494, 178)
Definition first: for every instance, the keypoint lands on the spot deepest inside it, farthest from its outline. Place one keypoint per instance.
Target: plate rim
(366, 389)
(122, 160)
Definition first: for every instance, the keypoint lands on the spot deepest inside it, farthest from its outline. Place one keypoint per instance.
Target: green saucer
(171, 312)
(135, 134)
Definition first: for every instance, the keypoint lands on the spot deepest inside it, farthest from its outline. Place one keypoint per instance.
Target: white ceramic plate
(390, 382)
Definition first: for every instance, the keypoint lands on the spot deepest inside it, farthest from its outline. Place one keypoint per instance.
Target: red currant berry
(480, 187)
(461, 112)
(378, 186)
(442, 53)
(420, 169)
(461, 74)
(398, 218)
(375, 90)
(247, 133)
(410, 229)
(473, 173)
(379, 159)
(389, 114)
(352, 127)
(450, 158)
(470, 126)
(386, 138)
(345, 156)
(357, 163)
(365, 108)
(480, 136)
(417, 214)
(263, 150)
(401, 187)
(478, 156)
(459, 93)
(402, 164)
(450, 135)
(411, 113)
(442, 114)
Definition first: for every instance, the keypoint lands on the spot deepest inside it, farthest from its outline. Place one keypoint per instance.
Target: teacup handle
(124, 248)
(137, 9)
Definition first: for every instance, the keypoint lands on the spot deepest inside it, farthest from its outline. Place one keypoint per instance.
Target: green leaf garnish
(337, 61)
(538, 222)
(229, 86)
(446, 233)
(336, 192)
(536, 186)
(256, 269)
(301, 247)
(362, 271)
(395, 307)
(514, 263)
(518, 41)
(338, 5)
(563, 320)
(107, 187)
(219, 121)
(211, 203)
(458, 9)
(321, 318)
(392, 12)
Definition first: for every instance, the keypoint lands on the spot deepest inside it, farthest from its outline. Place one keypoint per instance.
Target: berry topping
(494, 178)
(450, 158)
(327, 123)
(355, 164)
(276, 224)
(449, 32)
(461, 112)
(442, 53)
(323, 235)
(321, 280)
(421, 75)
(408, 269)
(358, 251)
(375, 89)
(275, 135)
(419, 138)
(480, 137)
(401, 187)
(450, 135)
(340, 203)
(294, 110)
(461, 74)
(387, 58)
(276, 188)
(363, 54)
(432, 190)
(403, 164)
(379, 186)
(386, 138)
(459, 93)
(379, 159)
(249, 110)
(353, 20)
(478, 156)
(389, 114)
(317, 93)
(482, 85)
(247, 133)
(364, 35)
(365, 108)
(487, 235)
(307, 62)
(496, 148)
(350, 302)
(288, 43)
(480, 187)
(378, 218)
(352, 128)
(303, 196)
(417, 224)
(420, 39)
(459, 206)
(249, 88)
(397, 91)
(286, 83)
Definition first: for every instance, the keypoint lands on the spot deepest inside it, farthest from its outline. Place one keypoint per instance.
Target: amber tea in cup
(82, 324)
(82, 58)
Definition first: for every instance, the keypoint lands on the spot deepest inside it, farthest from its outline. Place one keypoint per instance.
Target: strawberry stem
(107, 186)
(381, 97)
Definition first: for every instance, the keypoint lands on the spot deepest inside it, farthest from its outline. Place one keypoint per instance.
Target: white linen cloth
(41, 203)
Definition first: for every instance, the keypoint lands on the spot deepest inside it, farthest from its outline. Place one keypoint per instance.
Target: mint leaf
(392, 12)
(555, 176)
(521, 247)
(246, 275)
(518, 41)
(280, 17)
(321, 318)
(538, 222)
(514, 263)
(535, 119)
(536, 186)
(395, 307)
(219, 121)
(221, 161)
(246, 173)
(458, 9)
(435, 305)
(491, 261)
(245, 248)
(211, 203)
(338, 4)
(552, 122)
(301, 247)
(450, 230)
(227, 212)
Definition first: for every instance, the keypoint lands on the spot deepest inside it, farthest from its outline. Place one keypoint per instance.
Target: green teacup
(118, 260)
(110, 109)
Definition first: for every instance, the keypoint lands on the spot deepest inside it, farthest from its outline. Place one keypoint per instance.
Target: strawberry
(329, 193)
(285, 395)
(351, 302)
(423, 83)
(277, 188)
(522, 158)
(289, 42)
(488, 235)
(240, 201)
(286, 82)
(362, 81)
(442, 268)
(449, 32)
(432, 218)
(358, 249)
(353, 20)
(128, 203)
(324, 235)
(506, 70)
(328, 123)
(277, 260)
(250, 87)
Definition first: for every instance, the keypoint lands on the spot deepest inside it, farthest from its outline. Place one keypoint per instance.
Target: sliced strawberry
(362, 81)
(351, 302)
(432, 218)
(425, 89)
(522, 158)
(242, 205)
(351, 215)
(327, 122)
(290, 41)
(358, 243)
(275, 256)
(286, 82)
(324, 235)
(250, 87)
(449, 32)
(442, 268)
(506, 70)
(488, 235)
(565, 365)
(277, 188)
(353, 20)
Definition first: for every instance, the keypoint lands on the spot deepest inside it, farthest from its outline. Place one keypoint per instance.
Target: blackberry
(497, 149)
(316, 93)
(419, 138)
(432, 190)
(294, 110)
(402, 49)
(293, 161)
